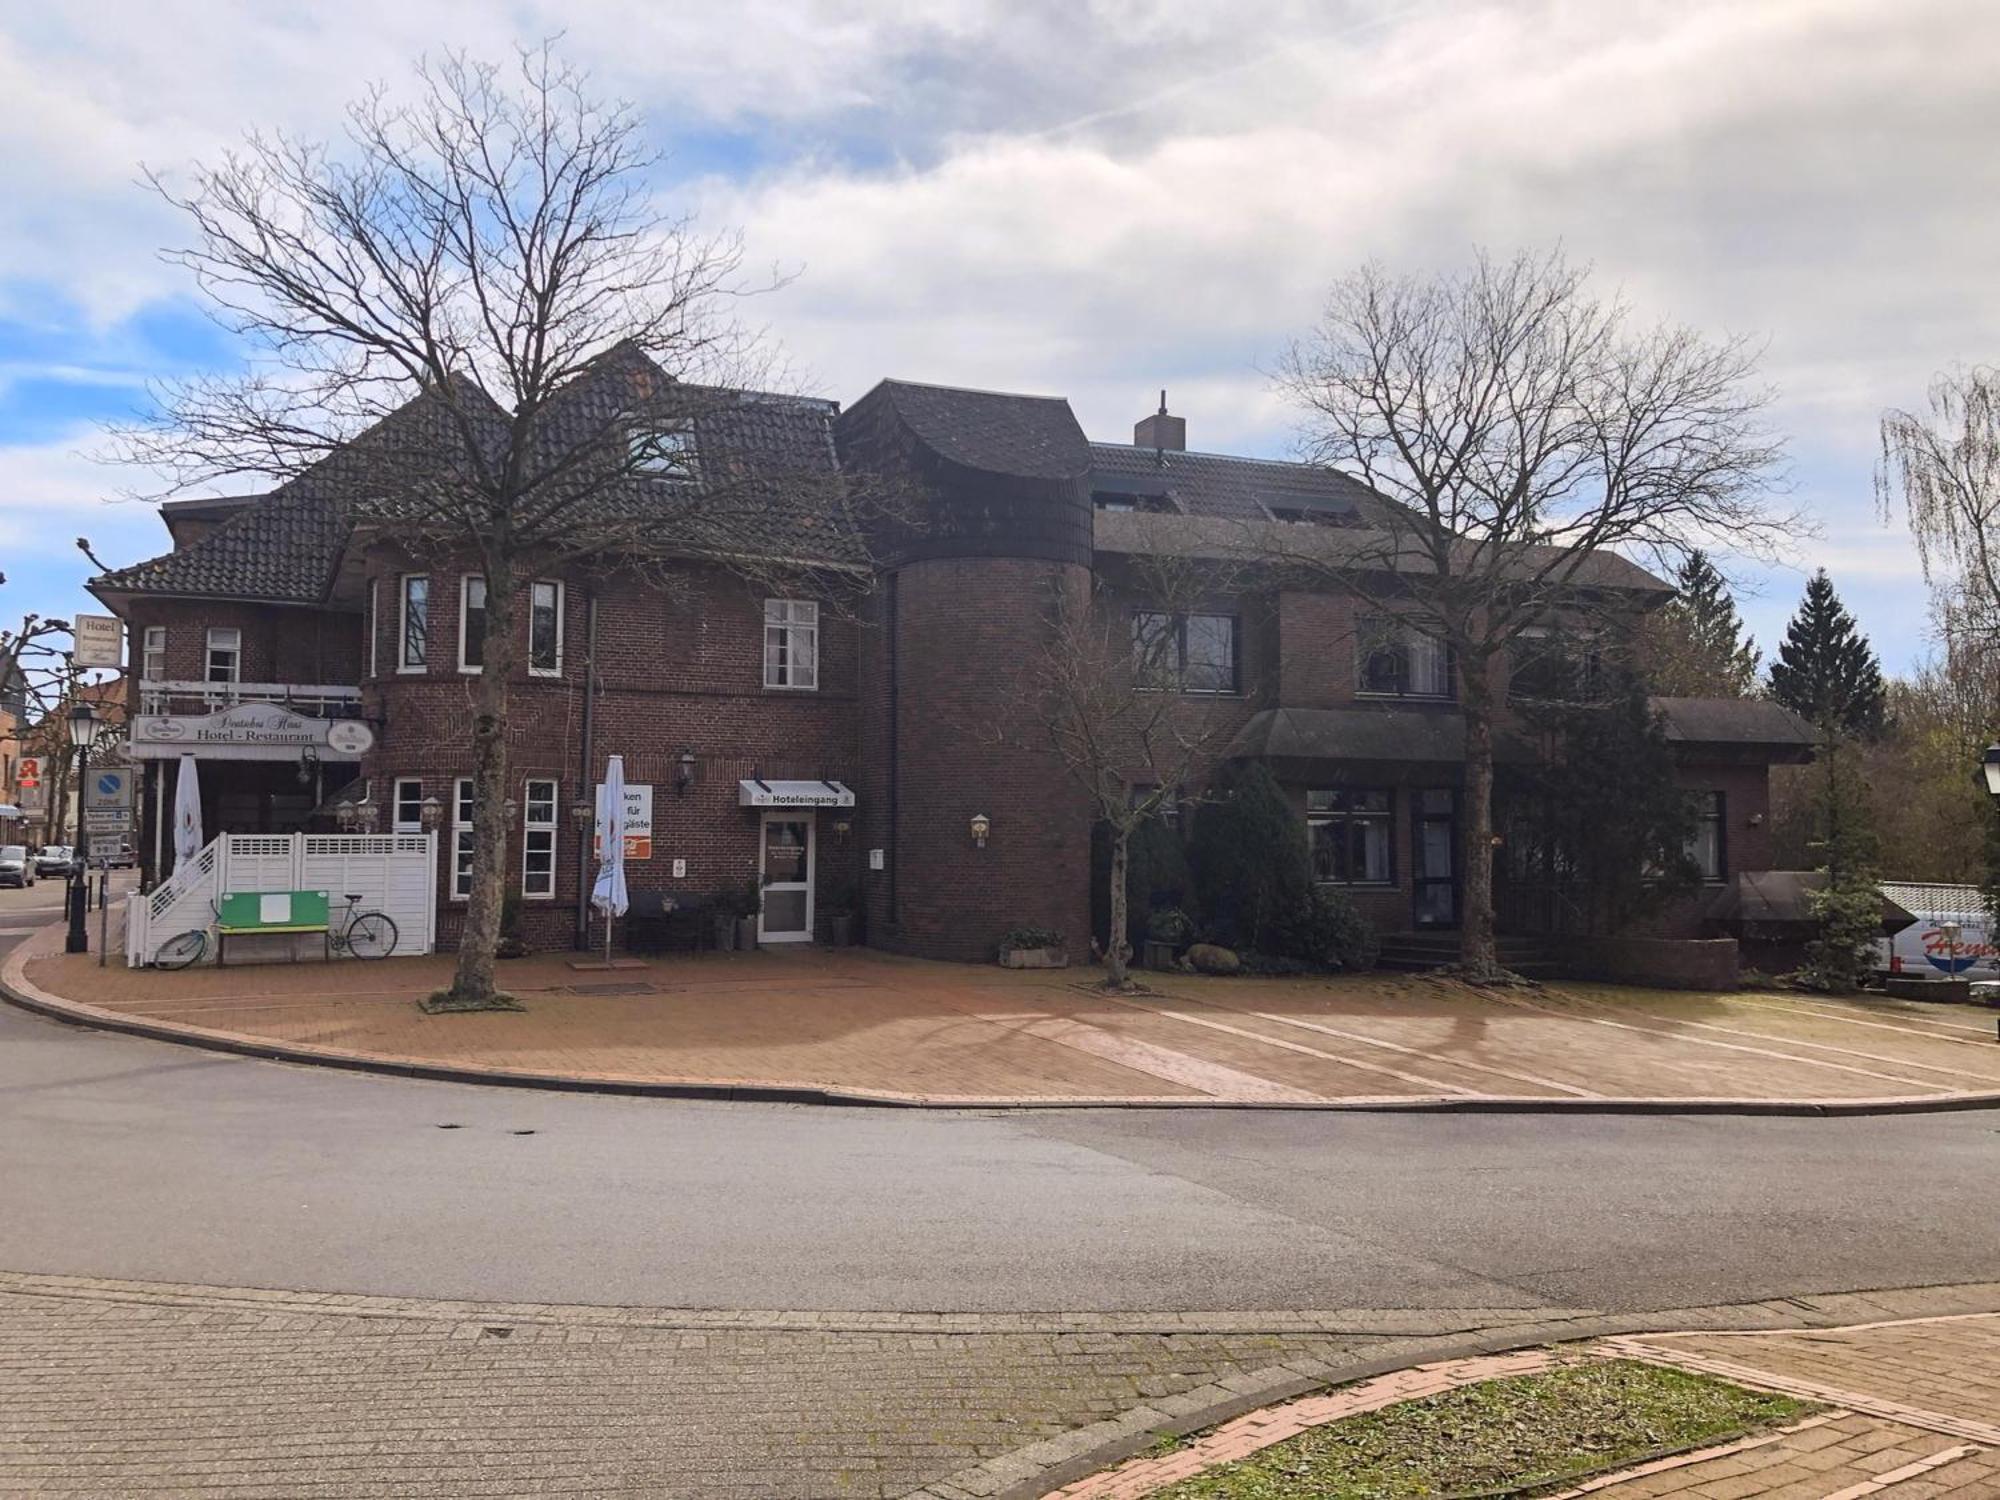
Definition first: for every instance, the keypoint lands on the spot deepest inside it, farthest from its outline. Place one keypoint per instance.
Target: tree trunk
(472, 985)
(1117, 951)
(1475, 946)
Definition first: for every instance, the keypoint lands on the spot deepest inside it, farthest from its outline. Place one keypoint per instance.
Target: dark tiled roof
(1235, 489)
(1734, 721)
(1032, 437)
(1784, 897)
(766, 486)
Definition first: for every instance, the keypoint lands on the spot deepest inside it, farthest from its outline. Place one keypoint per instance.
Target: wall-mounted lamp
(430, 812)
(509, 811)
(308, 765)
(580, 814)
(684, 778)
(842, 827)
(981, 827)
(1756, 820)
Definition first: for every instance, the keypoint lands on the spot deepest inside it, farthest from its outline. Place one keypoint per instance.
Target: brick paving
(125, 1395)
(872, 1025)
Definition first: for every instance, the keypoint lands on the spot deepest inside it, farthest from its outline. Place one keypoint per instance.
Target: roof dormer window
(664, 450)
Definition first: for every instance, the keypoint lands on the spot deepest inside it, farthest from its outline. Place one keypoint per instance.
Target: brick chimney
(1160, 430)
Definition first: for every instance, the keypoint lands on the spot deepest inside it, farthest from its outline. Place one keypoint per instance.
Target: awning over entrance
(793, 794)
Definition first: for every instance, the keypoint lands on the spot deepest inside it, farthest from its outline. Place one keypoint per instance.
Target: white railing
(394, 873)
(314, 700)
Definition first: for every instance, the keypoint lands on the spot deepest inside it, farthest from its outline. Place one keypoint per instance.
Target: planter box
(1157, 955)
(1949, 991)
(1034, 958)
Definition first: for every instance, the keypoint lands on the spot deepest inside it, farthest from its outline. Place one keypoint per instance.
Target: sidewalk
(857, 1025)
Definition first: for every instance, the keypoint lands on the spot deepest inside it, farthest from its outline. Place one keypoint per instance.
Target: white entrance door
(788, 878)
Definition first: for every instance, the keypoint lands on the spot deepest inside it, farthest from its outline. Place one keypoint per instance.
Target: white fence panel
(391, 872)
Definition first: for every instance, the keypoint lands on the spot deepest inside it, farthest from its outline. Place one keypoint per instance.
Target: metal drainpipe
(584, 783)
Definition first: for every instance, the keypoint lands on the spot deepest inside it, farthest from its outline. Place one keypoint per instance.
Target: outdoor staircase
(1413, 952)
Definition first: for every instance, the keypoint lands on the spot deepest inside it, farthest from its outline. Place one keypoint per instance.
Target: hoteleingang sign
(250, 731)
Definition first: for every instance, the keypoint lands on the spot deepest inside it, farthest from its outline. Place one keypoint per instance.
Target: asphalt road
(127, 1158)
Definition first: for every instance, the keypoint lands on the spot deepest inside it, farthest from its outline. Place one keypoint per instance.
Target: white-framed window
(374, 620)
(153, 659)
(1352, 835)
(414, 635)
(540, 798)
(406, 807)
(791, 643)
(545, 628)
(1709, 845)
(664, 450)
(225, 655)
(461, 839)
(471, 623)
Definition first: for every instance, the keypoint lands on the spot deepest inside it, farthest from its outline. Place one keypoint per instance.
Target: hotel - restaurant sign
(249, 731)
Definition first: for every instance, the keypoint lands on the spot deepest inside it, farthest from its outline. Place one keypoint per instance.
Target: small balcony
(311, 700)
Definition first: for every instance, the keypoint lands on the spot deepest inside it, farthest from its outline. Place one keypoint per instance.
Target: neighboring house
(839, 755)
(51, 814)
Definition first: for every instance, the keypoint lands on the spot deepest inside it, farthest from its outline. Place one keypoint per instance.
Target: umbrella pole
(607, 940)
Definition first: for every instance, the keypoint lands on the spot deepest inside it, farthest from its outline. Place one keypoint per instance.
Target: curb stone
(18, 990)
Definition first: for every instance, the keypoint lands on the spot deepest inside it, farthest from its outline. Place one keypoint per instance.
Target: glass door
(787, 873)
(1434, 871)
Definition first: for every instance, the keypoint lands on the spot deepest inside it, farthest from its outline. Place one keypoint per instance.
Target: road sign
(28, 771)
(107, 819)
(105, 846)
(100, 641)
(108, 788)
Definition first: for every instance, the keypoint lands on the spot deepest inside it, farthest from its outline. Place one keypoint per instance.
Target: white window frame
(540, 833)
(461, 838)
(403, 662)
(223, 638)
(153, 654)
(397, 822)
(561, 600)
(374, 621)
(794, 619)
(465, 583)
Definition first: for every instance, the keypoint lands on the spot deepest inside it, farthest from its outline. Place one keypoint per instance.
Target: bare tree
(1945, 468)
(460, 316)
(1531, 443)
(1113, 694)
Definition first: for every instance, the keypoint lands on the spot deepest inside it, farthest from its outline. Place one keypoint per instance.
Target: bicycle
(364, 934)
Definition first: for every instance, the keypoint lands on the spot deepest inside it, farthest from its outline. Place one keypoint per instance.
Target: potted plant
(749, 902)
(1168, 930)
(1032, 948)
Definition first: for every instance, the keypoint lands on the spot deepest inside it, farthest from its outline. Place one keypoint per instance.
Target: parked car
(15, 866)
(55, 859)
(125, 858)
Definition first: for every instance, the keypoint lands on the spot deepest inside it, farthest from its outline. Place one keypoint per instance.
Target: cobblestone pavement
(111, 1393)
(870, 1025)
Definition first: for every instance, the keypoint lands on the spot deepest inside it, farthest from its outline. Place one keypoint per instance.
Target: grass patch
(1502, 1437)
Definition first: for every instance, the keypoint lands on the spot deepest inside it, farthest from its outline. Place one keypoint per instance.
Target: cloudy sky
(1097, 199)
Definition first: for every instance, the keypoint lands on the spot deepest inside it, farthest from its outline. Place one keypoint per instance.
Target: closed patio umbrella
(187, 811)
(608, 895)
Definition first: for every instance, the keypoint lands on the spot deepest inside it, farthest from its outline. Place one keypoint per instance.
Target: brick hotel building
(830, 745)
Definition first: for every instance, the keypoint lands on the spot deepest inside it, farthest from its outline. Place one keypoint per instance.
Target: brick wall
(947, 650)
(680, 667)
(280, 643)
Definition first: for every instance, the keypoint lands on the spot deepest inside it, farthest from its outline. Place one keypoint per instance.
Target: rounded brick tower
(992, 520)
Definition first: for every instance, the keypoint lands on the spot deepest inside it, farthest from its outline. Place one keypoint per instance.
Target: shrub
(1324, 929)
(1030, 937)
(1251, 868)
(1156, 878)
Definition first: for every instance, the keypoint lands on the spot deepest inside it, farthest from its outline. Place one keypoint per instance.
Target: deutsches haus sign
(250, 731)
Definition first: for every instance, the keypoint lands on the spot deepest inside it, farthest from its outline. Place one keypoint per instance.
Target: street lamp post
(83, 727)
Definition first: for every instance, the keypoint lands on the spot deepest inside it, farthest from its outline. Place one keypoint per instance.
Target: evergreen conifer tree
(1697, 646)
(1826, 671)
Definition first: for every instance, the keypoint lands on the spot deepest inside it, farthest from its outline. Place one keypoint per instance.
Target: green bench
(270, 913)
